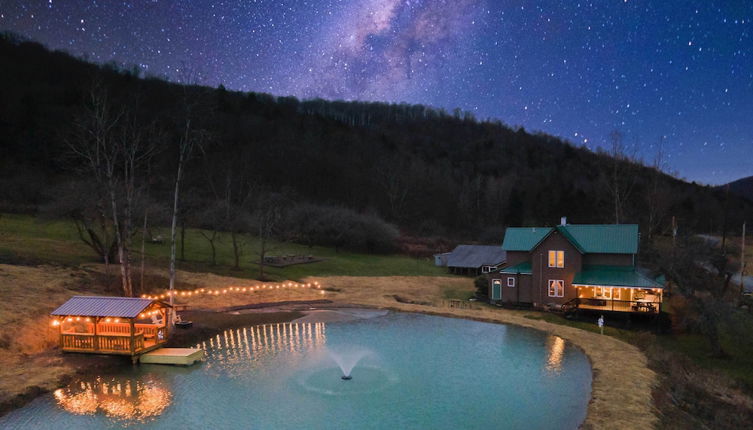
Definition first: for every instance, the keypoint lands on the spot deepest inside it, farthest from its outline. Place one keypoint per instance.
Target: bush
(482, 287)
(340, 228)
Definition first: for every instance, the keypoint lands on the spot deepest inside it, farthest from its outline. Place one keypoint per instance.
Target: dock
(178, 356)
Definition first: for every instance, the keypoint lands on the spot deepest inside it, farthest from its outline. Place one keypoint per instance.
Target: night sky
(673, 68)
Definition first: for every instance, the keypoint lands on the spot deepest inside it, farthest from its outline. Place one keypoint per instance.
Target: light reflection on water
(555, 346)
(281, 376)
(118, 398)
(138, 400)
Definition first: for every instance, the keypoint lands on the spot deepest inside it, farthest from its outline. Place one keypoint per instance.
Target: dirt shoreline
(622, 384)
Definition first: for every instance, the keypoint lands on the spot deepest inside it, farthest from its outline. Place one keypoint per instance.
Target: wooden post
(60, 331)
(96, 336)
(133, 340)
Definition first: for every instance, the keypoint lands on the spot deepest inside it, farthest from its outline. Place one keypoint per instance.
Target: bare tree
(211, 221)
(620, 176)
(190, 137)
(267, 218)
(657, 197)
(703, 274)
(113, 147)
(392, 178)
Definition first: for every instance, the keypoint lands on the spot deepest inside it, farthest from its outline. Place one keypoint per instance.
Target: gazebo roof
(97, 306)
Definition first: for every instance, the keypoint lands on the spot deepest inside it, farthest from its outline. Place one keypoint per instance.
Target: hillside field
(26, 239)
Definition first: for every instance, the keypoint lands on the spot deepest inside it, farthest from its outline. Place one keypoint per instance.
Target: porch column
(133, 341)
(96, 336)
(60, 331)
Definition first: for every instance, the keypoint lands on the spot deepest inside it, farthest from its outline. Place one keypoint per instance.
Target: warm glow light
(55, 323)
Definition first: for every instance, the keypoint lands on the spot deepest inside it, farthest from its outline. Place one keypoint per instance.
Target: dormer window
(557, 259)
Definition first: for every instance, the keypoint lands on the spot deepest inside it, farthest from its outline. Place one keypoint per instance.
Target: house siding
(542, 273)
(517, 257)
(608, 259)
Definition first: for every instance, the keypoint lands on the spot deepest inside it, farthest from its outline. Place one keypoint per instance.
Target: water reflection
(257, 342)
(119, 398)
(555, 346)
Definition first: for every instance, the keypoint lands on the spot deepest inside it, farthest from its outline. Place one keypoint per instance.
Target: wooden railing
(104, 343)
(119, 328)
(619, 305)
(78, 341)
(151, 331)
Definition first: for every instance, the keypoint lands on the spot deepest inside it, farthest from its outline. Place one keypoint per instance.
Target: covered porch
(111, 325)
(619, 299)
(617, 289)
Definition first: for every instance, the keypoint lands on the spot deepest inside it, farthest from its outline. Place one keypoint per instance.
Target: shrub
(482, 286)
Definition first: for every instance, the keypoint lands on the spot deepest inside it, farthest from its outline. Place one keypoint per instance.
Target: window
(510, 281)
(556, 288)
(603, 292)
(484, 269)
(557, 259)
(616, 294)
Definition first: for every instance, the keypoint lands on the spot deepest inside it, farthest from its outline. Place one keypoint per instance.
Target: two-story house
(583, 266)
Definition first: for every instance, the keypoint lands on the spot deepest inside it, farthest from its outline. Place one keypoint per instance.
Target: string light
(233, 289)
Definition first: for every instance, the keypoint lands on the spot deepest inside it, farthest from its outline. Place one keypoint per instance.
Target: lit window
(556, 288)
(557, 259)
(510, 281)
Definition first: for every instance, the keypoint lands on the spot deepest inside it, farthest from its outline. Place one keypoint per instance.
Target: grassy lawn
(738, 366)
(25, 238)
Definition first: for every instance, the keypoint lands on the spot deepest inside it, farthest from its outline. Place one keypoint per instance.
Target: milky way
(677, 70)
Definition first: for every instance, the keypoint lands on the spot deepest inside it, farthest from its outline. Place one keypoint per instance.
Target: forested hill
(427, 171)
(743, 187)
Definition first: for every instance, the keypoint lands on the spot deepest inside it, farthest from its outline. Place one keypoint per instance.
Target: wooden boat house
(111, 325)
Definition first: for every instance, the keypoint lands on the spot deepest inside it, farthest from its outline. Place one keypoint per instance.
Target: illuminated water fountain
(346, 360)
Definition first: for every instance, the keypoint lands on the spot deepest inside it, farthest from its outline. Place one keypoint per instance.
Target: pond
(410, 371)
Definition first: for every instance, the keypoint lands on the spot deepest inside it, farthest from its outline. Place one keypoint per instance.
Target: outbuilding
(475, 259)
(111, 325)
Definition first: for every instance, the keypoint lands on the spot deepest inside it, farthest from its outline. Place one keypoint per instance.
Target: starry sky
(677, 70)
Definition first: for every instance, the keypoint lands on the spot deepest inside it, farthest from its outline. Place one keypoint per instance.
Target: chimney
(563, 220)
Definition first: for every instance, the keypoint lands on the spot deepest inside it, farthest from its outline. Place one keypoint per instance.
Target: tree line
(352, 175)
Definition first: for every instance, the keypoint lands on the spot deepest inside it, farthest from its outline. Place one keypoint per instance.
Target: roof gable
(476, 256)
(524, 238)
(97, 306)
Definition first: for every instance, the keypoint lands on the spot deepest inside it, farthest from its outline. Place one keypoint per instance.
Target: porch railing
(104, 343)
(619, 305)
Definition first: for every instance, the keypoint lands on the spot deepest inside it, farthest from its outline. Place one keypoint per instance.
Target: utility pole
(742, 261)
(724, 223)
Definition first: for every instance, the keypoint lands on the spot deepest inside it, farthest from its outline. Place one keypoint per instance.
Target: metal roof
(475, 256)
(605, 238)
(587, 238)
(97, 306)
(614, 276)
(524, 238)
(523, 268)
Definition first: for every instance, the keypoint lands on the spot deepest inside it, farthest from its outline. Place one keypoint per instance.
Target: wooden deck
(179, 356)
(114, 338)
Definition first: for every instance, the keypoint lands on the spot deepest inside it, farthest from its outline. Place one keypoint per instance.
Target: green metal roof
(524, 238)
(521, 268)
(604, 238)
(614, 276)
(587, 238)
